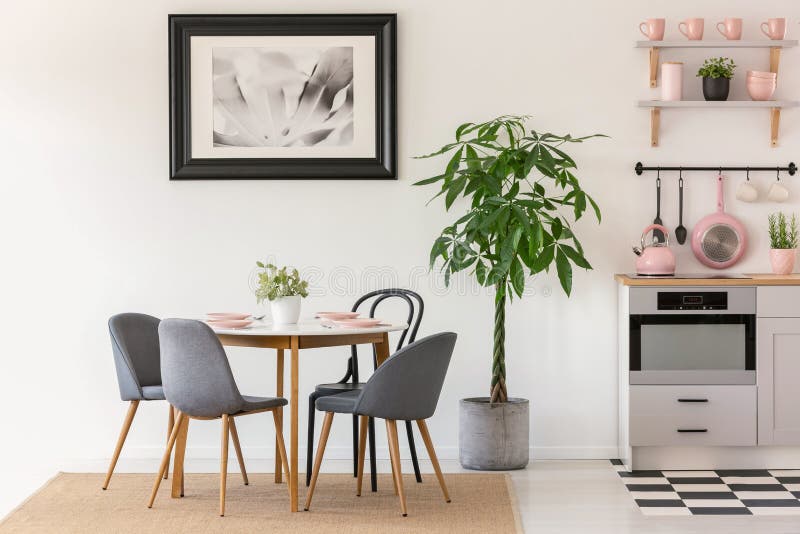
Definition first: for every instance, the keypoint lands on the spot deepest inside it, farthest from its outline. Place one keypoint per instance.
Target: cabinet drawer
(778, 301)
(693, 415)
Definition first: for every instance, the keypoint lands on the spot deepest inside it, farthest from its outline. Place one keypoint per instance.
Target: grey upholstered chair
(199, 383)
(134, 342)
(405, 388)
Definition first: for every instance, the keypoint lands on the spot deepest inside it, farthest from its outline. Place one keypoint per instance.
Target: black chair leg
(355, 446)
(312, 409)
(413, 449)
(373, 469)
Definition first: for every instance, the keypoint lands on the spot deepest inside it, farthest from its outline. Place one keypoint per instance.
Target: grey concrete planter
(493, 437)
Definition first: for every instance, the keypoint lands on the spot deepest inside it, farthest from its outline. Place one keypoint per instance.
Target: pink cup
(694, 28)
(731, 28)
(775, 29)
(653, 29)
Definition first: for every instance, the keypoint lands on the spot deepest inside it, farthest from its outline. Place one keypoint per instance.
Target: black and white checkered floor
(721, 492)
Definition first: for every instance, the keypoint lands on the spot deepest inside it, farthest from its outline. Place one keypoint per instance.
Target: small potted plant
(782, 242)
(283, 288)
(717, 73)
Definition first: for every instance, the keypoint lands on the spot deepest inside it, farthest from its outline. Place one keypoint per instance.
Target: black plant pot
(716, 88)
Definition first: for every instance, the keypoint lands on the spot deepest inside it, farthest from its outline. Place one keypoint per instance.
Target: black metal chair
(350, 382)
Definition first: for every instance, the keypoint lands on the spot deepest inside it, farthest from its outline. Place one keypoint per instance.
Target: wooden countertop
(755, 279)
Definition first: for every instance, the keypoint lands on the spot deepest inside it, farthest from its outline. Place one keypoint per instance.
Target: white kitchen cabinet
(778, 377)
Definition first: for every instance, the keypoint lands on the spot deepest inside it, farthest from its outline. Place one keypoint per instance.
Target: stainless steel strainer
(720, 242)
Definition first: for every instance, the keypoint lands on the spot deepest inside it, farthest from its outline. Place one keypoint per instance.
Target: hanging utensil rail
(791, 168)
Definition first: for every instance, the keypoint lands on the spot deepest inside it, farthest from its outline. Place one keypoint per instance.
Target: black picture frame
(184, 167)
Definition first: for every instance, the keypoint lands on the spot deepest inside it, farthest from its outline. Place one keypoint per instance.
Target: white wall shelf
(773, 46)
(718, 104)
(774, 107)
(763, 43)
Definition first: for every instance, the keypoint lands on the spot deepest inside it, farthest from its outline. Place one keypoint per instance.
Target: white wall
(91, 225)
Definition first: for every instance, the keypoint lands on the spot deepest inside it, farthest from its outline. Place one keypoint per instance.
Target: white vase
(285, 310)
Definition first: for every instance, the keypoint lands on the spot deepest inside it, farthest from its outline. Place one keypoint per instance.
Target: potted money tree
(520, 195)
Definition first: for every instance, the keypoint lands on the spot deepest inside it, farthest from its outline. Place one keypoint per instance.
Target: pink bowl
(218, 316)
(761, 74)
(760, 90)
(357, 323)
(229, 323)
(334, 316)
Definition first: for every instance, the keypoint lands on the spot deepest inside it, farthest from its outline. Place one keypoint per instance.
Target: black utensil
(658, 235)
(680, 231)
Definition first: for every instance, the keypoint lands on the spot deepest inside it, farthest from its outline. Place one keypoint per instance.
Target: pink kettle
(655, 259)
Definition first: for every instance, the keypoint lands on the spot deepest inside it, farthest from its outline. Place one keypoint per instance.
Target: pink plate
(220, 316)
(357, 323)
(230, 323)
(335, 316)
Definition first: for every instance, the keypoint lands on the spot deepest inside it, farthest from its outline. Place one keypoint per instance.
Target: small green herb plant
(717, 67)
(782, 231)
(275, 283)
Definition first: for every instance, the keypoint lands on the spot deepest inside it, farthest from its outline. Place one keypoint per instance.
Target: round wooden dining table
(294, 338)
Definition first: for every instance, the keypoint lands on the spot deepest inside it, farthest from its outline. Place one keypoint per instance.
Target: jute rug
(75, 503)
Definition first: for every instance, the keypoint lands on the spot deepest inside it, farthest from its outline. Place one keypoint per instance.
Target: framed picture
(283, 96)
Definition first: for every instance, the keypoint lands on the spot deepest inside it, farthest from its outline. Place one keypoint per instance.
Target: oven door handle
(692, 400)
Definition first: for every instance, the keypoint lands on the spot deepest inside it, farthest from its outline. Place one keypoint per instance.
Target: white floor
(563, 497)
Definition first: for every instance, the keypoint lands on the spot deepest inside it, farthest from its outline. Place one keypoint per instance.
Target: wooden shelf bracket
(655, 124)
(774, 59)
(774, 125)
(654, 67)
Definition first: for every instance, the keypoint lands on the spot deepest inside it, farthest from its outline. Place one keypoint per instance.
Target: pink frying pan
(719, 240)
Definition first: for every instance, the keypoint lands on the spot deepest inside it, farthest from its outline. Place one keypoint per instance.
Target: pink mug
(694, 28)
(731, 28)
(775, 29)
(653, 29)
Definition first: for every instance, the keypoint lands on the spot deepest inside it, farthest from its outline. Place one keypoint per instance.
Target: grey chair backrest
(407, 385)
(196, 375)
(134, 341)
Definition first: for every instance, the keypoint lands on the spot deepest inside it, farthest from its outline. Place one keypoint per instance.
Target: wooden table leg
(382, 349)
(180, 455)
(293, 409)
(278, 416)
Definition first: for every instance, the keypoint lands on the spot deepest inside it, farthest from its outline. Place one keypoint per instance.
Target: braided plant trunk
(499, 393)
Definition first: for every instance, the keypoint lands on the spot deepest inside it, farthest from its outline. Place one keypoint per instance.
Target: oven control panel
(704, 300)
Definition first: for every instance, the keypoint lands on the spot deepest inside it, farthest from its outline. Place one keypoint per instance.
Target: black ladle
(658, 235)
(680, 231)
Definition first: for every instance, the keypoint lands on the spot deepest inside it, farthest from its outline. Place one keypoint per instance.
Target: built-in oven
(692, 335)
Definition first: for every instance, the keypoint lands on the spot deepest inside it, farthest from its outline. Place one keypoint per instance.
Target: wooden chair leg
(362, 450)
(281, 452)
(238, 449)
(394, 474)
(126, 426)
(176, 428)
(394, 452)
(223, 464)
(426, 437)
(323, 440)
(170, 424)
